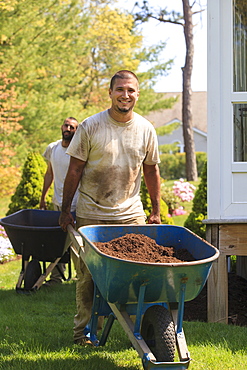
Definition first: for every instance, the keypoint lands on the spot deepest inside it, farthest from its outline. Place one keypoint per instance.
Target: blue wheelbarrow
(151, 293)
(36, 236)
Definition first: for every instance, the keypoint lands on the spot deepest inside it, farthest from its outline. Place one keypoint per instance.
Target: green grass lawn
(36, 331)
(36, 334)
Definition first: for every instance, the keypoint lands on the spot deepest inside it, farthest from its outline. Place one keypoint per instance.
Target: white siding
(227, 180)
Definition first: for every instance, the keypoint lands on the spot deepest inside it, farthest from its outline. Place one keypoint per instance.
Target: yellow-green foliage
(173, 166)
(28, 192)
(9, 179)
(147, 205)
(168, 196)
(199, 209)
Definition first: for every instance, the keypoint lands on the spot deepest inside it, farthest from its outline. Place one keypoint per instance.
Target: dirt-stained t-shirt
(114, 153)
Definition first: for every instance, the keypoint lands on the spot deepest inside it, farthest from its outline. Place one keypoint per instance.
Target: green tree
(199, 209)
(43, 43)
(28, 192)
(10, 119)
(64, 53)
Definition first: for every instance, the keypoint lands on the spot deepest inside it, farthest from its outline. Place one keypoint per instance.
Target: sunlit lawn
(36, 334)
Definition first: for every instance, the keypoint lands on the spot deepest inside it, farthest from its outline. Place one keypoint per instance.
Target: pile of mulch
(141, 248)
(138, 247)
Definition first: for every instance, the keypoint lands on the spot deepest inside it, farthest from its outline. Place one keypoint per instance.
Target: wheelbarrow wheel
(158, 332)
(32, 273)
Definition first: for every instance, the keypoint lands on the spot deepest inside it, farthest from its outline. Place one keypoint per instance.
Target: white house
(227, 145)
(174, 114)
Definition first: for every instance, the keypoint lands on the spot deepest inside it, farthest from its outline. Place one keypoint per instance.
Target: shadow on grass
(36, 332)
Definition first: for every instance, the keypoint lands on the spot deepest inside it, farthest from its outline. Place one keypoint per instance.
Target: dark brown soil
(139, 247)
(144, 249)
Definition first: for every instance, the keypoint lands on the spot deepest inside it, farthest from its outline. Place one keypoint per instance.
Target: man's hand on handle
(154, 218)
(66, 219)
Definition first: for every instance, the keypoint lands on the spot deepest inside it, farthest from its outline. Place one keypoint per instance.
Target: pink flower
(184, 190)
(179, 211)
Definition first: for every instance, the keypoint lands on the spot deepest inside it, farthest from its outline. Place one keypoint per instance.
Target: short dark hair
(72, 118)
(123, 74)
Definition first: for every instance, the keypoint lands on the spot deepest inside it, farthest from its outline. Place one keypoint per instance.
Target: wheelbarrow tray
(119, 280)
(36, 233)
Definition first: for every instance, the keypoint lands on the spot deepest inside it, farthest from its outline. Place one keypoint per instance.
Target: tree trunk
(191, 168)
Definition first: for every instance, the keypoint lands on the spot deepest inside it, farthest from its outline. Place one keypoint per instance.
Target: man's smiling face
(124, 94)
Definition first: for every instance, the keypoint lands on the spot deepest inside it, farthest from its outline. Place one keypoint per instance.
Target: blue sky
(154, 31)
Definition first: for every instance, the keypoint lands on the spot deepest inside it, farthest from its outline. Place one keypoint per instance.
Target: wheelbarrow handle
(77, 241)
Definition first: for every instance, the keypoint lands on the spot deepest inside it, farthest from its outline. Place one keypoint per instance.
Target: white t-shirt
(56, 154)
(114, 152)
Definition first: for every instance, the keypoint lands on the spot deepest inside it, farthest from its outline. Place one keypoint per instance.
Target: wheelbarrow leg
(24, 264)
(100, 308)
(182, 348)
(177, 312)
(107, 329)
(128, 326)
(22, 274)
(66, 259)
(61, 272)
(69, 270)
(42, 277)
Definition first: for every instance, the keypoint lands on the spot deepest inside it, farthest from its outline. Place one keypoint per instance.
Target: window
(240, 132)
(239, 45)
(240, 79)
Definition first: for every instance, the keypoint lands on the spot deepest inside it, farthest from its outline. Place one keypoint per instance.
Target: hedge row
(172, 166)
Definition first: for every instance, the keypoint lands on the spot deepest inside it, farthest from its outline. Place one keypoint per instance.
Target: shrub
(182, 191)
(201, 157)
(147, 205)
(199, 209)
(28, 192)
(173, 166)
(168, 196)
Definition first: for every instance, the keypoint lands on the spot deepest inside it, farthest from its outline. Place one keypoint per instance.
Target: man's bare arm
(152, 181)
(48, 179)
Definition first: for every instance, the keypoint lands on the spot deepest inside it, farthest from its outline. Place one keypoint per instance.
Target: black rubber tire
(158, 332)
(32, 273)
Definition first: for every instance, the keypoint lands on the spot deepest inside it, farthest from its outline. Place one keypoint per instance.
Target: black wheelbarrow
(153, 293)
(36, 236)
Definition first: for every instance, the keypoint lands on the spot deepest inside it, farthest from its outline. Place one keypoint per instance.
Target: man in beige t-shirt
(108, 152)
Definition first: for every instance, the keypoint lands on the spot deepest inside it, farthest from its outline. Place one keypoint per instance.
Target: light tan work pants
(84, 283)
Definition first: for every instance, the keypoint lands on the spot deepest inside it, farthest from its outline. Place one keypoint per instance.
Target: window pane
(240, 132)
(239, 45)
